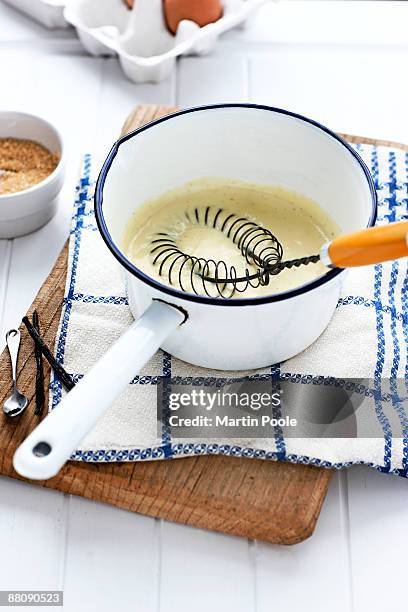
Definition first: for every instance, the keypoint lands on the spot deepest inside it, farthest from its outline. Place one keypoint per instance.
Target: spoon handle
(13, 344)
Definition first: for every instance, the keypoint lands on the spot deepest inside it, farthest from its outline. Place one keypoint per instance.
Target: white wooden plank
(118, 98)
(32, 536)
(330, 22)
(210, 80)
(312, 576)
(63, 89)
(14, 68)
(111, 560)
(330, 85)
(16, 26)
(379, 537)
(205, 571)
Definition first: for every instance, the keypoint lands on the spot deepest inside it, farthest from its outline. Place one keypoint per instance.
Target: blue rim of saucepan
(277, 297)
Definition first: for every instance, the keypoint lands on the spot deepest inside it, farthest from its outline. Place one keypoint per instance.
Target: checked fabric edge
(167, 449)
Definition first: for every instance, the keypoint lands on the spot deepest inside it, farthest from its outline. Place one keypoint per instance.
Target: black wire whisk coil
(261, 249)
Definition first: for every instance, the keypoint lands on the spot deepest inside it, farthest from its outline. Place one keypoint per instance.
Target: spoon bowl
(15, 404)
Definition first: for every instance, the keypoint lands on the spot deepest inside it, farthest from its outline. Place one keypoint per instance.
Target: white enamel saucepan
(240, 141)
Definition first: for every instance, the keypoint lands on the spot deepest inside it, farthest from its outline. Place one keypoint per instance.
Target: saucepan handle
(49, 446)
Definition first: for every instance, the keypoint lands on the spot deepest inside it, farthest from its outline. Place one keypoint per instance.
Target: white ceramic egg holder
(146, 49)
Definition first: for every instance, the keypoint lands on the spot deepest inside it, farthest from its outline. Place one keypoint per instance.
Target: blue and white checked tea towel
(367, 338)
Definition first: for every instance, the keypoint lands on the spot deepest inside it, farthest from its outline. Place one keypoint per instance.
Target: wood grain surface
(272, 501)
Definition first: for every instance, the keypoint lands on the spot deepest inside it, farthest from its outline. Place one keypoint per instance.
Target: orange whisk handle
(369, 246)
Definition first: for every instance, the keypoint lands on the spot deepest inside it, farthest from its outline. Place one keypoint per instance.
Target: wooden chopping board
(272, 501)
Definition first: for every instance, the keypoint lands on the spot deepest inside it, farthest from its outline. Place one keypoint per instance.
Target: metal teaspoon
(17, 402)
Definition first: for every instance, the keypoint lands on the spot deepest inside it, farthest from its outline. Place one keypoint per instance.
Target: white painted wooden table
(342, 63)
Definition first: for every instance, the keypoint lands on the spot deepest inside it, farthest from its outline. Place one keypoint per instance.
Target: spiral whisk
(261, 250)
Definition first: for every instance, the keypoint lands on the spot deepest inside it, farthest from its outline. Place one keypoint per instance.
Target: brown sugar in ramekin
(23, 163)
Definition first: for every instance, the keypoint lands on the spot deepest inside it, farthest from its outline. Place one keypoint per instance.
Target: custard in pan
(215, 229)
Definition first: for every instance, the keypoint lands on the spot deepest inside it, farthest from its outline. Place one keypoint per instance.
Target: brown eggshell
(202, 12)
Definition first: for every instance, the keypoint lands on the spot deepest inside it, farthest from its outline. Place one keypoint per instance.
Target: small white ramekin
(25, 211)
